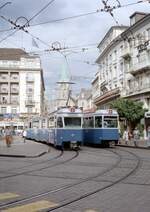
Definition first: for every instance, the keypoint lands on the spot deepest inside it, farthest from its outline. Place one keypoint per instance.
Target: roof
(119, 37)
(11, 53)
(137, 12)
(110, 30)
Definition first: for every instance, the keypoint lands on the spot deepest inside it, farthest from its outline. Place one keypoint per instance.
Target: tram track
(45, 167)
(130, 173)
(37, 163)
(61, 189)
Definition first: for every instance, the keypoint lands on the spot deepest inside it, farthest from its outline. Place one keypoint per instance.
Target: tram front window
(72, 122)
(110, 122)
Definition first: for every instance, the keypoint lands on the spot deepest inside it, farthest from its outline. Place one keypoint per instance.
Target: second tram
(101, 127)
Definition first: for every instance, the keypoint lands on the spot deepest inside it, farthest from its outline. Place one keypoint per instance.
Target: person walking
(8, 136)
(136, 137)
(24, 135)
(126, 136)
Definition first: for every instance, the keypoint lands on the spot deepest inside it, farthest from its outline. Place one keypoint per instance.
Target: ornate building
(124, 63)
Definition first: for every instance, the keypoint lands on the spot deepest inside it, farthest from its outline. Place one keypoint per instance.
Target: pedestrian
(126, 136)
(136, 137)
(8, 136)
(24, 135)
(148, 137)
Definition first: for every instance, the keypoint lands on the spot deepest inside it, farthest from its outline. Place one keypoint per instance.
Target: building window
(29, 109)
(30, 77)
(13, 110)
(3, 110)
(4, 100)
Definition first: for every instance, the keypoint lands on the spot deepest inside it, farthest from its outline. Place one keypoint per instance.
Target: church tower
(64, 86)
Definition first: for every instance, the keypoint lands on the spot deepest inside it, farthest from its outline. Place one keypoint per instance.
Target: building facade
(21, 84)
(124, 63)
(84, 100)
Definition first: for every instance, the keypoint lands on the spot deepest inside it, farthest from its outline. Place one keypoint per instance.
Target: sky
(84, 33)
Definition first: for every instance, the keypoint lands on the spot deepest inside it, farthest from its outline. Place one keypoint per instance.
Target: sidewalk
(141, 144)
(21, 149)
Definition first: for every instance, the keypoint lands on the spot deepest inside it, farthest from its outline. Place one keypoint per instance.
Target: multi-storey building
(21, 84)
(84, 100)
(124, 63)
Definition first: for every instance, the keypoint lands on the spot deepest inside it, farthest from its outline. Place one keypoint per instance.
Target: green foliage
(132, 111)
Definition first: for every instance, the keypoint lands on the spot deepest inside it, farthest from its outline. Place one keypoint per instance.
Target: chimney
(135, 17)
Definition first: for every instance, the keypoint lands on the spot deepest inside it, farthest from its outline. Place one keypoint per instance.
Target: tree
(132, 111)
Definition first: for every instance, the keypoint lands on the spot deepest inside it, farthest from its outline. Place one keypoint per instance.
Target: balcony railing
(111, 94)
(4, 90)
(139, 89)
(30, 79)
(14, 78)
(29, 103)
(4, 102)
(141, 66)
(3, 78)
(14, 90)
(14, 102)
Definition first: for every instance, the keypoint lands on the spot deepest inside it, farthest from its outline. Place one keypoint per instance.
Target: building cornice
(19, 69)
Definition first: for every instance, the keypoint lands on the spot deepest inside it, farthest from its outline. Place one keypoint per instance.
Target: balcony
(140, 67)
(4, 90)
(126, 54)
(30, 79)
(108, 96)
(3, 78)
(14, 102)
(4, 102)
(29, 103)
(138, 90)
(14, 90)
(14, 78)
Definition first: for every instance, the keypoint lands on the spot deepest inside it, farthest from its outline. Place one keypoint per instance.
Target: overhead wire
(28, 21)
(79, 15)
(40, 11)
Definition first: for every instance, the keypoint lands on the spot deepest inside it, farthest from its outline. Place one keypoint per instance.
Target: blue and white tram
(101, 127)
(66, 128)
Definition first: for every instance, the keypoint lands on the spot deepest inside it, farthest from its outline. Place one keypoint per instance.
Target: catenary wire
(77, 16)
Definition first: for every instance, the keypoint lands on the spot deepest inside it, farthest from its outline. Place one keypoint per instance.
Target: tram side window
(59, 122)
(51, 122)
(88, 122)
(98, 121)
(110, 122)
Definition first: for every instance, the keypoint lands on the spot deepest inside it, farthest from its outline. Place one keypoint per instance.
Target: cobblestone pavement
(140, 143)
(59, 177)
(18, 147)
